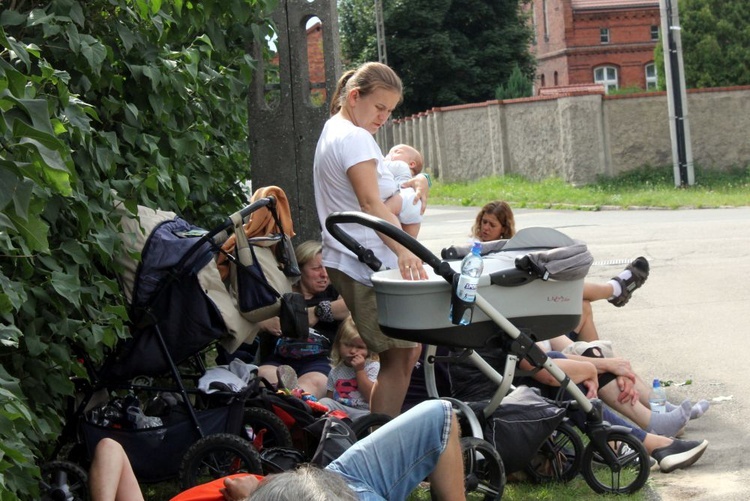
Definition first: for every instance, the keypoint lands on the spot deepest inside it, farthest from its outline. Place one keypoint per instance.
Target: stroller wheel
(264, 429)
(63, 481)
(559, 457)
(365, 425)
(217, 456)
(484, 473)
(628, 475)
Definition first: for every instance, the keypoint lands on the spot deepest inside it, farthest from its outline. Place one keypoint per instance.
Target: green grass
(644, 187)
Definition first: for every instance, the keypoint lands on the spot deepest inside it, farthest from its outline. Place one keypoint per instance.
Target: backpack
(331, 437)
(520, 425)
(326, 439)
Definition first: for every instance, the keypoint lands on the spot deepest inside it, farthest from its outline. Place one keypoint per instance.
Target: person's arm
(271, 325)
(578, 372)
(327, 311)
(364, 383)
(363, 177)
(421, 184)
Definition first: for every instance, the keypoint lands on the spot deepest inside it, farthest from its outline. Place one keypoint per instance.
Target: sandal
(639, 269)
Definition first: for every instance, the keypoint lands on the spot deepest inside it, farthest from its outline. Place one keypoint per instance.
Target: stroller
(513, 311)
(146, 394)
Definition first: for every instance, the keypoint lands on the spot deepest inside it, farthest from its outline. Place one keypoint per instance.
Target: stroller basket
(155, 453)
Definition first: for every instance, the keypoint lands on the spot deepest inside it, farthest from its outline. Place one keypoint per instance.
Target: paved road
(690, 321)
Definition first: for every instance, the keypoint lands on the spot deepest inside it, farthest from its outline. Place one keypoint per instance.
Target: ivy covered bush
(101, 101)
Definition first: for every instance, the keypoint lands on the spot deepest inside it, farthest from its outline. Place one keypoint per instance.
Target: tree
(448, 51)
(518, 85)
(715, 42)
(357, 31)
(101, 102)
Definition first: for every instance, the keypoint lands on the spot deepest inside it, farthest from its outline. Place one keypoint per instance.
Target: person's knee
(108, 447)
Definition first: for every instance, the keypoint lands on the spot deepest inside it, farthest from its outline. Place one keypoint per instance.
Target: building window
(604, 35)
(544, 20)
(607, 76)
(651, 76)
(541, 81)
(555, 78)
(654, 32)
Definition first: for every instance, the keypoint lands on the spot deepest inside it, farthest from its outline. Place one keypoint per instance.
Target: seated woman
(495, 221)
(307, 359)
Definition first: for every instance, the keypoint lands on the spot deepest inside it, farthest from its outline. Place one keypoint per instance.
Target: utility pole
(380, 31)
(679, 126)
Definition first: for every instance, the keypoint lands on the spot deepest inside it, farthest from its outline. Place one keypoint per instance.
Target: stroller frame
(608, 466)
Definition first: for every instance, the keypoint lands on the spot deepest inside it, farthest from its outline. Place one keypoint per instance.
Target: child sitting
(353, 375)
(404, 162)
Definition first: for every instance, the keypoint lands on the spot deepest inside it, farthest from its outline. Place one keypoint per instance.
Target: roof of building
(613, 4)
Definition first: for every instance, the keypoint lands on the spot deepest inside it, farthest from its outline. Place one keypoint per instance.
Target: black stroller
(146, 395)
(516, 306)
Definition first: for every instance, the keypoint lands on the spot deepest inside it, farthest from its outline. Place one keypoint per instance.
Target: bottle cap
(656, 382)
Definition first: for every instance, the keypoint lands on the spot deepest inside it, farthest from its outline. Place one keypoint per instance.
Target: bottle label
(466, 290)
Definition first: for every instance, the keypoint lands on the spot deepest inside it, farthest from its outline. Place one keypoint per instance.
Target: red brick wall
(315, 60)
(574, 48)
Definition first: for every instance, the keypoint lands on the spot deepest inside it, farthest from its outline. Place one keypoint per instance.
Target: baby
(404, 162)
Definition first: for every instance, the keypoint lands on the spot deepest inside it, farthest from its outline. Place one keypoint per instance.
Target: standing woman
(347, 170)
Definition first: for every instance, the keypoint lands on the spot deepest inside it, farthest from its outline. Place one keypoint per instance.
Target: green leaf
(9, 336)
(34, 344)
(34, 231)
(9, 182)
(22, 198)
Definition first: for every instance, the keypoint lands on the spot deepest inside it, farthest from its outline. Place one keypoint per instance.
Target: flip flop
(639, 269)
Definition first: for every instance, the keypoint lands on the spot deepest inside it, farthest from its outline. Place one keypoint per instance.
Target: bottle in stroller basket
(462, 305)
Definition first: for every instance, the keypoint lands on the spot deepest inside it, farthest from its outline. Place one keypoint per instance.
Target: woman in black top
(308, 357)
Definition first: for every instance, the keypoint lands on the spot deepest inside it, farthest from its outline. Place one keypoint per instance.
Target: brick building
(610, 42)
(315, 62)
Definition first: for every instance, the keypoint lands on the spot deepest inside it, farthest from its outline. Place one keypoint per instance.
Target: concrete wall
(574, 137)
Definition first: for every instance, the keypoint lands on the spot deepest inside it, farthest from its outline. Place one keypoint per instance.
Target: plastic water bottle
(466, 288)
(658, 398)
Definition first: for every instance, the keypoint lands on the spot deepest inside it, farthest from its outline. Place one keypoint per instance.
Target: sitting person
(469, 384)
(422, 443)
(608, 363)
(404, 162)
(305, 362)
(495, 221)
(355, 370)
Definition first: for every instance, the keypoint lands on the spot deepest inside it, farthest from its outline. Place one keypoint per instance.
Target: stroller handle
(366, 256)
(218, 234)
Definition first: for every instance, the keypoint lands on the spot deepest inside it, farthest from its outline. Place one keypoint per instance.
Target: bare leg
(111, 477)
(393, 204)
(447, 479)
(269, 373)
(596, 292)
(389, 391)
(637, 413)
(314, 383)
(411, 229)
(586, 329)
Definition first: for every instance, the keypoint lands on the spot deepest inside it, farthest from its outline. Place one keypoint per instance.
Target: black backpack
(326, 439)
(520, 425)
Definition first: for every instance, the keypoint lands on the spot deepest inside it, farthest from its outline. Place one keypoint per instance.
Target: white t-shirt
(341, 146)
(342, 381)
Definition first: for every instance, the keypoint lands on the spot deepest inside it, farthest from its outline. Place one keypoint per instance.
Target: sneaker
(680, 454)
(287, 378)
(623, 450)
